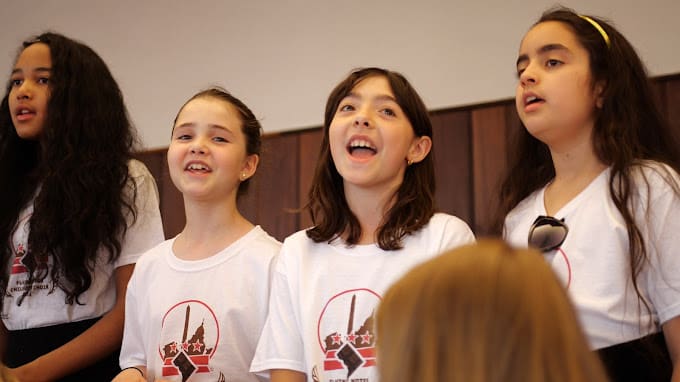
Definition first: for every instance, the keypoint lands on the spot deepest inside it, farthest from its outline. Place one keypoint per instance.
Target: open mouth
(530, 100)
(23, 114)
(361, 148)
(197, 167)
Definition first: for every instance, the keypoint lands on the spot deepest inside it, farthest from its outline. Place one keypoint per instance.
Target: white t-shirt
(594, 259)
(46, 305)
(199, 319)
(324, 295)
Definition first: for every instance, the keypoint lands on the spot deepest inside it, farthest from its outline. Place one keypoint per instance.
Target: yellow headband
(597, 26)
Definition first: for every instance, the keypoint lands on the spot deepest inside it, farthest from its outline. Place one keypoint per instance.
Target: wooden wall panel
(277, 186)
(672, 103)
(453, 163)
(489, 142)
(310, 144)
(470, 156)
(171, 203)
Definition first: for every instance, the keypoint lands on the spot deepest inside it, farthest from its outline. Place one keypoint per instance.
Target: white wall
(282, 58)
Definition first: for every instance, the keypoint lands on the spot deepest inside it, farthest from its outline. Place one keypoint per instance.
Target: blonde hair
(483, 312)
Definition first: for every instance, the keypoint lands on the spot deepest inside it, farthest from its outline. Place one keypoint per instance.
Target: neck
(369, 206)
(576, 161)
(575, 168)
(209, 229)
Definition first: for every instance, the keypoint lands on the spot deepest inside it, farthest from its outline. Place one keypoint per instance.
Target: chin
(28, 135)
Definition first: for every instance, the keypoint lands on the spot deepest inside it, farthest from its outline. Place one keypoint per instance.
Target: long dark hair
(629, 129)
(414, 205)
(77, 171)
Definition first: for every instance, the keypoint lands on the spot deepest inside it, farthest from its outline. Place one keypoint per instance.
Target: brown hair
(482, 312)
(414, 205)
(250, 125)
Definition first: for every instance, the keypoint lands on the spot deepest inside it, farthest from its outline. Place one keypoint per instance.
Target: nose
(362, 120)
(24, 91)
(198, 147)
(528, 76)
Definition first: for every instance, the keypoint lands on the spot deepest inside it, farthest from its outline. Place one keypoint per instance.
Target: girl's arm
(282, 375)
(131, 374)
(95, 343)
(671, 331)
(3, 339)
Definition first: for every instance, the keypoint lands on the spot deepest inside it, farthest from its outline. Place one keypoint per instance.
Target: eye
(183, 137)
(552, 63)
(43, 80)
(346, 107)
(16, 82)
(220, 139)
(520, 71)
(388, 111)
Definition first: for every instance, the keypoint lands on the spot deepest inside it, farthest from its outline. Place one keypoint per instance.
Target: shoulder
(443, 227)
(262, 242)
(655, 173)
(150, 258)
(298, 246)
(442, 220)
(142, 182)
(137, 169)
(522, 209)
(653, 180)
(298, 238)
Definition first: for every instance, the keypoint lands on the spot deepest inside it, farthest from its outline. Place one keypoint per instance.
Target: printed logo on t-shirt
(189, 337)
(346, 336)
(19, 268)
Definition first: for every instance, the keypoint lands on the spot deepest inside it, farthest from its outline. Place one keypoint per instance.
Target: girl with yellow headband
(594, 184)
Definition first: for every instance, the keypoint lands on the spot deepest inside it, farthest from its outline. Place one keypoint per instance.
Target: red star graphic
(197, 346)
(185, 346)
(173, 347)
(337, 339)
(351, 338)
(366, 338)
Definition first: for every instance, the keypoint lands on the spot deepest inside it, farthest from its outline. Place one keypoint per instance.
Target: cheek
(174, 160)
(519, 104)
(335, 138)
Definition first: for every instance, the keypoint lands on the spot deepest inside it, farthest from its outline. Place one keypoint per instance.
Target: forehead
(209, 110)
(37, 55)
(549, 32)
(373, 85)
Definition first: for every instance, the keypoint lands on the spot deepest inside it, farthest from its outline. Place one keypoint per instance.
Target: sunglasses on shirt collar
(547, 233)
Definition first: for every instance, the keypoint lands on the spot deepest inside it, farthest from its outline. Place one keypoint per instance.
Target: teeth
(196, 166)
(24, 111)
(531, 99)
(361, 143)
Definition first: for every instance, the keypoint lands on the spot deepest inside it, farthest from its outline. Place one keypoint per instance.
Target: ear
(598, 89)
(419, 149)
(249, 166)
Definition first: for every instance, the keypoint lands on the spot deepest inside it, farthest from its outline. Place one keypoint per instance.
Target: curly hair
(76, 172)
(414, 204)
(629, 129)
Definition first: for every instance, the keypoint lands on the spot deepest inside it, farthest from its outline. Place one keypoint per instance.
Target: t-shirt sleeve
(280, 345)
(663, 226)
(132, 352)
(455, 234)
(147, 229)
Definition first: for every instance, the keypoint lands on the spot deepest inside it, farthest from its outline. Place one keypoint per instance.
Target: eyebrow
(39, 69)
(382, 97)
(211, 126)
(542, 50)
